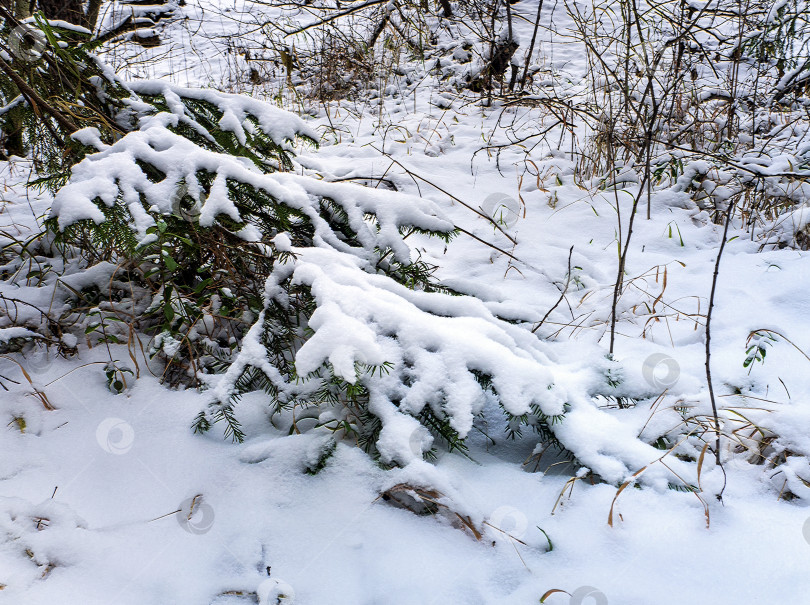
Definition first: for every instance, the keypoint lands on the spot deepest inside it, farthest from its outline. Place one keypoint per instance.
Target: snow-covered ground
(108, 474)
(111, 499)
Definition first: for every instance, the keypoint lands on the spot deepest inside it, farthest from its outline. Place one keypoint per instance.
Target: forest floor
(109, 473)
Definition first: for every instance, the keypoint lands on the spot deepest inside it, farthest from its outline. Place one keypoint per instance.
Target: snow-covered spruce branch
(353, 335)
(392, 368)
(352, 329)
(120, 174)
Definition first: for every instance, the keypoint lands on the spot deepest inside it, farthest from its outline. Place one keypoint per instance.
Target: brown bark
(13, 142)
(21, 9)
(93, 8)
(71, 11)
(35, 100)
(496, 68)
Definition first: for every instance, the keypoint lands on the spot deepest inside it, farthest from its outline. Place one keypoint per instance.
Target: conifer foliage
(188, 198)
(189, 221)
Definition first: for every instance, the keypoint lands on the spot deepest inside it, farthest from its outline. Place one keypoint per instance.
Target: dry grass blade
(424, 501)
(194, 502)
(84, 365)
(505, 533)
(37, 393)
(548, 593)
(621, 489)
(569, 485)
(663, 289)
(700, 464)
(467, 522)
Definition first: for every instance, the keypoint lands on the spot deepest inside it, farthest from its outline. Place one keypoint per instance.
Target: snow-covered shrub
(194, 200)
(180, 193)
(49, 87)
(345, 52)
(178, 215)
(375, 357)
(707, 102)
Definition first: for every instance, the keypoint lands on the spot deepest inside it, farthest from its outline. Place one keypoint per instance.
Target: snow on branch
(120, 173)
(438, 356)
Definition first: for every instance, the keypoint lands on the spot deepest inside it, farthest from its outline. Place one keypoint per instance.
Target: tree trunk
(93, 8)
(21, 9)
(71, 11)
(13, 142)
(496, 67)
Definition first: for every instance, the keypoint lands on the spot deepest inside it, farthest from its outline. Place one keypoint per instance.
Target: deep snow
(90, 492)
